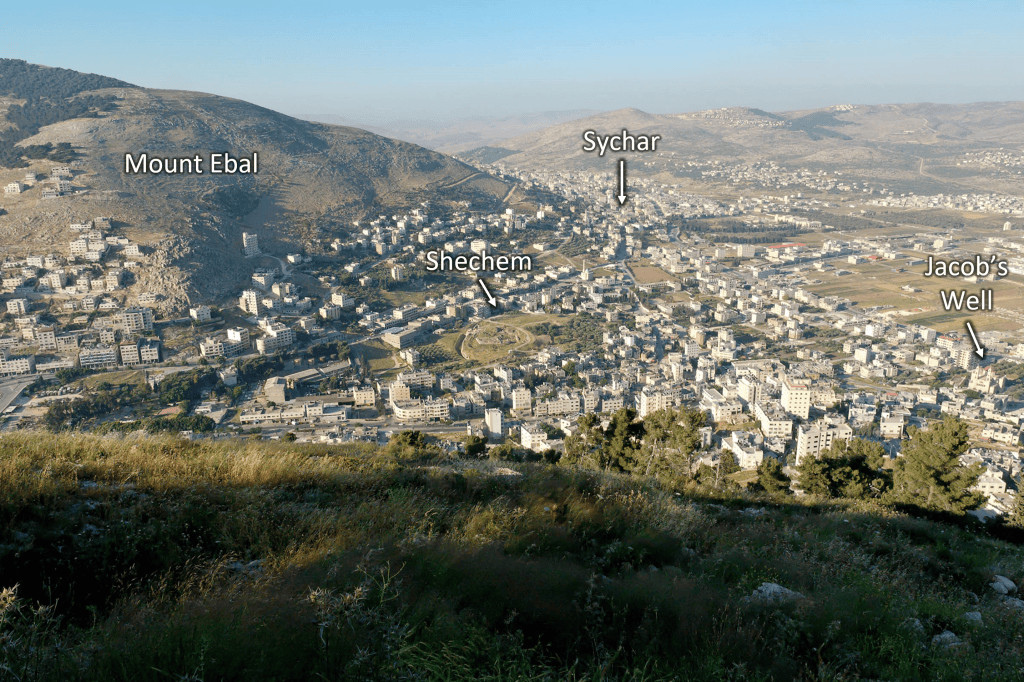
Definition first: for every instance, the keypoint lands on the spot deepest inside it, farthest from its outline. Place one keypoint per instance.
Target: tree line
(667, 445)
(47, 94)
(22, 80)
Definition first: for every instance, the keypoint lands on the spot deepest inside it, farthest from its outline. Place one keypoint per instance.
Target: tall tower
(250, 244)
(492, 418)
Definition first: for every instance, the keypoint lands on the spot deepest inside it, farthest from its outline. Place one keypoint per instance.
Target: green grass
(376, 567)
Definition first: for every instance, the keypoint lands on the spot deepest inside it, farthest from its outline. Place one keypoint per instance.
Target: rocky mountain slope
(314, 180)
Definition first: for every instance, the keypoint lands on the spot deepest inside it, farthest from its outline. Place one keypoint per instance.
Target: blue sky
(389, 60)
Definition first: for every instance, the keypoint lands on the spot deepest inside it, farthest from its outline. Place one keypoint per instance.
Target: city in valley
(794, 307)
(411, 342)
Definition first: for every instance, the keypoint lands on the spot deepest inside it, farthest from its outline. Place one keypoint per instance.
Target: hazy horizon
(406, 62)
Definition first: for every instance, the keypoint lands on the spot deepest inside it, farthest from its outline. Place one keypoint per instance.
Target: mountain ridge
(744, 134)
(314, 181)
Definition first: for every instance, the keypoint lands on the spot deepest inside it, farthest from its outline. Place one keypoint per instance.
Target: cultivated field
(646, 274)
(881, 284)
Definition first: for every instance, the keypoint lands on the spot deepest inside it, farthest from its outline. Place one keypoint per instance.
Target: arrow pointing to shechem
(490, 299)
(622, 182)
(978, 350)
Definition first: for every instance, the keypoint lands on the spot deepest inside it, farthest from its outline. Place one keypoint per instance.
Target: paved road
(459, 182)
(10, 389)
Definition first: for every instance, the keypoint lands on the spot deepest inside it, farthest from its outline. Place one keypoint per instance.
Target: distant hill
(879, 141)
(314, 179)
(463, 134)
(487, 154)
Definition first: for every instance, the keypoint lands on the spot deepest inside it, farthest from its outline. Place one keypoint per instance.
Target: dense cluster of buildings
(665, 319)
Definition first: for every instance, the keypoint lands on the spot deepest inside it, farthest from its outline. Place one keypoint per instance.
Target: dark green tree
(671, 439)
(583, 448)
(852, 469)
(412, 445)
(770, 478)
(1015, 516)
(622, 441)
(814, 478)
(930, 475)
(507, 452)
(716, 475)
(475, 446)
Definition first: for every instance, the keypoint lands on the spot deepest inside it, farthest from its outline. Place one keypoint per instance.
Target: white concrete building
(796, 397)
(493, 421)
(813, 439)
(200, 313)
(250, 244)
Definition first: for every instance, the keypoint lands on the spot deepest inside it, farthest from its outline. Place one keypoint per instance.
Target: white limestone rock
(772, 593)
(1002, 585)
(946, 640)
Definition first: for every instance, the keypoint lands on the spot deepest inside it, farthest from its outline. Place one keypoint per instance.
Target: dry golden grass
(35, 465)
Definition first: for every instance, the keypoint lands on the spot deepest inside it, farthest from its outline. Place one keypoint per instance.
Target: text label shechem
(441, 261)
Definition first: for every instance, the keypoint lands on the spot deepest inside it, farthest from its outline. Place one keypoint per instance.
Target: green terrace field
(158, 558)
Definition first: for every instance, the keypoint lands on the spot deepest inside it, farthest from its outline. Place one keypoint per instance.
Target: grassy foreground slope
(148, 558)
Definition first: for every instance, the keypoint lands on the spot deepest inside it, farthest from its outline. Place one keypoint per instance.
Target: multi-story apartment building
(45, 338)
(141, 351)
(98, 357)
(775, 421)
(422, 410)
(493, 421)
(521, 399)
(278, 337)
(532, 437)
(419, 379)
(364, 397)
(200, 313)
(796, 397)
(135, 320)
(813, 439)
(17, 306)
(652, 401)
(250, 244)
(16, 364)
(249, 301)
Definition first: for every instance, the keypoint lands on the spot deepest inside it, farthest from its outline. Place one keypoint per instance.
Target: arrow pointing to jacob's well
(490, 299)
(978, 350)
(622, 182)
